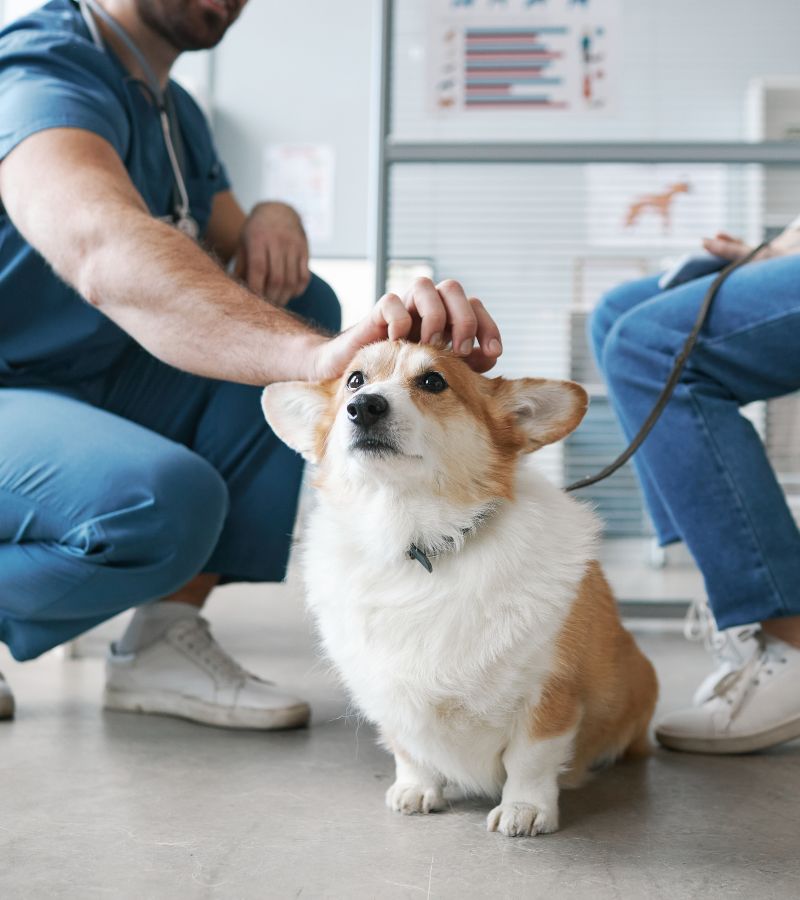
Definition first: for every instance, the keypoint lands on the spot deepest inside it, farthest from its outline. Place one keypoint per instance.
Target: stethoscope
(181, 216)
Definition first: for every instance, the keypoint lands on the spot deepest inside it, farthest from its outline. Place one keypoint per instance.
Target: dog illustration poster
(668, 206)
(526, 55)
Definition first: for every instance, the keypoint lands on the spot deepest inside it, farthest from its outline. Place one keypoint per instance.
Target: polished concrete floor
(96, 804)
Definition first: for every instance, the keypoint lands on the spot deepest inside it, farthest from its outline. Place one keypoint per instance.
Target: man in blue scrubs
(135, 466)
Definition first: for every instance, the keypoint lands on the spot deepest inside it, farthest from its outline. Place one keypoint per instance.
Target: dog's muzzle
(367, 413)
(365, 410)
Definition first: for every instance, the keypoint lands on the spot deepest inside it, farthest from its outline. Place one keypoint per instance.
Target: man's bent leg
(97, 515)
(223, 423)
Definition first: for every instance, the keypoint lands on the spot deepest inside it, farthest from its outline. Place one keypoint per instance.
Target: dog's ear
(544, 411)
(298, 413)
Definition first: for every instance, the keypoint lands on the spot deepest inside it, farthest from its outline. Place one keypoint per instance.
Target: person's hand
(726, 246)
(732, 248)
(272, 257)
(433, 314)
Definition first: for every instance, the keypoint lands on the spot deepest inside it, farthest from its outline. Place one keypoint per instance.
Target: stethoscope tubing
(90, 8)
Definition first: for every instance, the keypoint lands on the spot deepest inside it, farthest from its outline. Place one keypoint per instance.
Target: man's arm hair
(68, 193)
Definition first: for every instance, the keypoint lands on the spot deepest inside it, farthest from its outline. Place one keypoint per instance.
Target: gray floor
(97, 804)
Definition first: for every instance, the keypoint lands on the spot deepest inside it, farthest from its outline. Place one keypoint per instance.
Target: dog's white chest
(444, 663)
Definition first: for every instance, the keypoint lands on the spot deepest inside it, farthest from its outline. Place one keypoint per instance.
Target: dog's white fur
(449, 665)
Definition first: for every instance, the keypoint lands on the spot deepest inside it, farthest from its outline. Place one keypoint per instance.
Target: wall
(300, 72)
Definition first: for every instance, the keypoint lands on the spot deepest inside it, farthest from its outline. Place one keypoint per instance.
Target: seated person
(135, 463)
(706, 478)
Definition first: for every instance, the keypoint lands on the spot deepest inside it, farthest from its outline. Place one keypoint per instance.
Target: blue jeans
(118, 491)
(703, 469)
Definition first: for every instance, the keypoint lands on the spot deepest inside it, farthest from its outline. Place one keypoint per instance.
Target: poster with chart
(532, 56)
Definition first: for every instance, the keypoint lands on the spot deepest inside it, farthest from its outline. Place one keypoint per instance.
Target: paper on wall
(302, 175)
(523, 55)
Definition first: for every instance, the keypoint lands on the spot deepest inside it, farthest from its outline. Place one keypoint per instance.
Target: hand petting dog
(437, 314)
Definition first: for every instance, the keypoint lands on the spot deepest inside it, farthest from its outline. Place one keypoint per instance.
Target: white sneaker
(730, 649)
(186, 673)
(751, 708)
(6, 700)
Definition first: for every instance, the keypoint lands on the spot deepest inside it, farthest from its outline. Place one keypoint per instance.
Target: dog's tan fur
(601, 677)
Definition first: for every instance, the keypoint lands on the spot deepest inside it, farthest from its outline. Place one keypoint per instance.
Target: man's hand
(272, 256)
(732, 248)
(433, 314)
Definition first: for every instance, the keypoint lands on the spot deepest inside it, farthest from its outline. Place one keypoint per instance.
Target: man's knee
(319, 305)
(170, 530)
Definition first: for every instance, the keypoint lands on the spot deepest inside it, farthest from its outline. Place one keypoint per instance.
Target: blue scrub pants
(703, 469)
(118, 491)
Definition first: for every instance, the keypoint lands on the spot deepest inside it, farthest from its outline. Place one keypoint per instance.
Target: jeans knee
(319, 305)
(598, 325)
(604, 316)
(614, 353)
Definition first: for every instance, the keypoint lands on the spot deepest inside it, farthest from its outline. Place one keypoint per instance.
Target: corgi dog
(455, 589)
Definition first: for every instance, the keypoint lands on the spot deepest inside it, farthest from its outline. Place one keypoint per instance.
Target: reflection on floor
(101, 804)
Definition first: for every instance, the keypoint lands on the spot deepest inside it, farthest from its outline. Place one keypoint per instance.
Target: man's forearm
(169, 295)
(91, 224)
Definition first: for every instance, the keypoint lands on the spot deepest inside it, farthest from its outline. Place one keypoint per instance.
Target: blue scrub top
(52, 76)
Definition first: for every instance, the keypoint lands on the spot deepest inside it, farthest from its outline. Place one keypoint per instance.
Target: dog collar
(423, 557)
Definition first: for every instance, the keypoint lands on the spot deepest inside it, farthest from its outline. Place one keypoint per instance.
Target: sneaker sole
(748, 743)
(207, 713)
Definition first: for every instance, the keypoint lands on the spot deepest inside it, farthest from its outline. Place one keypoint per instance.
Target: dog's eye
(432, 381)
(355, 381)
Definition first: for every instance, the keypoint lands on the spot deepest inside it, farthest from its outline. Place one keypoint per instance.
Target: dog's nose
(366, 409)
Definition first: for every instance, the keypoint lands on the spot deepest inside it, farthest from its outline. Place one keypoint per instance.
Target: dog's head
(413, 412)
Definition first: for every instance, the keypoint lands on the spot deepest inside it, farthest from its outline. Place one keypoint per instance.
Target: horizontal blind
(541, 243)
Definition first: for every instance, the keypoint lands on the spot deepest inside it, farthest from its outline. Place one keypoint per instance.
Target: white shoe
(6, 700)
(751, 708)
(730, 649)
(186, 673)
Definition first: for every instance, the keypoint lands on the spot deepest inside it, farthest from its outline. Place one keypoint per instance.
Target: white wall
(300, 72)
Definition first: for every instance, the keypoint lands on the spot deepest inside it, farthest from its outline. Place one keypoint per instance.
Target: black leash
(672, 381)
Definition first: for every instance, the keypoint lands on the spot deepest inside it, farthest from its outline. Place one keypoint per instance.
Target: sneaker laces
(730, 648)
(736, 686)
(196, 637)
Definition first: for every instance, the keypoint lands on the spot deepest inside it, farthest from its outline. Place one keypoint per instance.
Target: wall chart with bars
(530, 55)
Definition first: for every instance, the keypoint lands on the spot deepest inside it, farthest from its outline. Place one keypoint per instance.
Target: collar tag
(415, 553)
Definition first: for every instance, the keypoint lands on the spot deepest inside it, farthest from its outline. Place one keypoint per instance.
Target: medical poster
(532, 56)
(302, 175)
(665, 206)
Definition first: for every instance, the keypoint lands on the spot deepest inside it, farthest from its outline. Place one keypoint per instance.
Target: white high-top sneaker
(186, 673)
(730, 649)
(6, 700)
(751, 708)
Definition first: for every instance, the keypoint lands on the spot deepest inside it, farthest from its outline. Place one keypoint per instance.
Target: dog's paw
(410, 798)
(521, 819)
